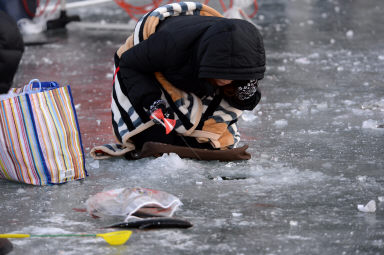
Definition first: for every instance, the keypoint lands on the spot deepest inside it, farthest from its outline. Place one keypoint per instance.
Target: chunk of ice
(303, 61)
(349, 34)
(280, 123)
(170, 161)
(218, 178)
(370, 207)
(20, 191)
(381, 198)
(236, 214)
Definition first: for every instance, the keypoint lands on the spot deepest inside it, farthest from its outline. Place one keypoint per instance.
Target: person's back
(191, 50)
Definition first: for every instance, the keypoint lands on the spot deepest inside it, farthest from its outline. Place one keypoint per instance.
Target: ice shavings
(278, 175)
(47, 61)
(248, 116)
(374, 105)
(63, 220)
(95, 164)
(303, 61)
(370, 124)
(370, 207)
(178, 240)
(280, 123)
(303, 107)
(20, 191)
(42, 230)
(236, 214)
(217, 178)
(172, 161)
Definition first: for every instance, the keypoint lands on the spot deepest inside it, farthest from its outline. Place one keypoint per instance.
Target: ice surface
(316, 150)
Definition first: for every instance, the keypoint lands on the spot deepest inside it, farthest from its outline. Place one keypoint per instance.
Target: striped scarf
(219, 128)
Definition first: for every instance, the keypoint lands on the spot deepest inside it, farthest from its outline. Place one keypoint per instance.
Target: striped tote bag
(40, 140)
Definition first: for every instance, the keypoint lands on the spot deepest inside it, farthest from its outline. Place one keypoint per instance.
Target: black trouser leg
(156, 133)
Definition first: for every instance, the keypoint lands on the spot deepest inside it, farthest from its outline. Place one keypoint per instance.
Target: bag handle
(28, 89)
(42, 86)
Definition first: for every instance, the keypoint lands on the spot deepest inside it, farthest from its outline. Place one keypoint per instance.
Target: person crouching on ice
(185, 76)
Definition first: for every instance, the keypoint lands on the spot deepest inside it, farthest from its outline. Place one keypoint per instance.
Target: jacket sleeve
(138, 64)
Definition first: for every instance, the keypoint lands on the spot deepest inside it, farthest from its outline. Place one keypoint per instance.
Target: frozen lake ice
(316, 139)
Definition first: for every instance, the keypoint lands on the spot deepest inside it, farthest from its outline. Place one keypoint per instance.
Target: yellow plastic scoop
(113, 238)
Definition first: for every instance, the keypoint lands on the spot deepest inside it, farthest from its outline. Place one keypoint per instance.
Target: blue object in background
(16, 10)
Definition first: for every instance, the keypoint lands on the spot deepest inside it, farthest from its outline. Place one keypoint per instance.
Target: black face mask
(242, 83)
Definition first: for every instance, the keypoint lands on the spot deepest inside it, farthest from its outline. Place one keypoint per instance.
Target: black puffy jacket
(189, 49)
(11, 50)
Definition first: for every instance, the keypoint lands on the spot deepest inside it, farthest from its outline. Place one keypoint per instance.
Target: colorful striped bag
(40, 140)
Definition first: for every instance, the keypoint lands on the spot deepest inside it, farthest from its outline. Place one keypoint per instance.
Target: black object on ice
(62, 21)
(157, 149)
(156, 222)
(5, 246)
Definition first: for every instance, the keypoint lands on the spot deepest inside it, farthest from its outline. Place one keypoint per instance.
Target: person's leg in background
(11, 50)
